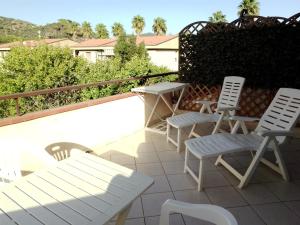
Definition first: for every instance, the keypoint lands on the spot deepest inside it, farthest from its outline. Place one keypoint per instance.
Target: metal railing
(17, 96)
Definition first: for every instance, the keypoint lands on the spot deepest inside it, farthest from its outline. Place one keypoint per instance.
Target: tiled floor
(267, 200)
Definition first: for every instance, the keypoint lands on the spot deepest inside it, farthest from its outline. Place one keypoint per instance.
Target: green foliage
(217, 17)
(118, 30)
(252, 7)
(9, 38)
(159, 26)
(101, 31)
(45, 67)
(87, 31)
(18, 28)
(126, 48)
(268, 56)
(138, 24)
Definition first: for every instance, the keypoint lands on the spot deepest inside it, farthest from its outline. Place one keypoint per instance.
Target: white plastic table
(81, 190)
(160, 90)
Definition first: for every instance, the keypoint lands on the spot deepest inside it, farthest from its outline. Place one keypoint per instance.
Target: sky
(177, 13)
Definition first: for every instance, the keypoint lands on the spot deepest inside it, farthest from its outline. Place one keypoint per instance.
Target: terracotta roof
(147, 40)
(31, 43)
(95, 42)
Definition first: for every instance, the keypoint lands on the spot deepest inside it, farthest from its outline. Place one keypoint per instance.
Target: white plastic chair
(9, 170)
(226, 105)
(273, 128)
(210, 213)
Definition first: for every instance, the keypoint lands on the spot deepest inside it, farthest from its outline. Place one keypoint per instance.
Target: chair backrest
(231, 91)
(282, 113)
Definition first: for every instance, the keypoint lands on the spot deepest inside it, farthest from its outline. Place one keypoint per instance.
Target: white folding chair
(211, 213)
(226, 105)
(273, 128)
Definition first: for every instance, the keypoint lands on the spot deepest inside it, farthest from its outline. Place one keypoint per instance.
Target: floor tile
(175, 167)
(214, 179)
(181, 182)
(285, 191)
(150, 169)
(152, 202)
(175, 219)
(194, 221)
(277, 214)
(147, 157)
(136, 210)
(122, 158)
(160, 185)
(257, 194)
(246, 216)
(170, 156)
(294, 206)
(137, 221)
(225, 196)
(192, 196)
(145, 147)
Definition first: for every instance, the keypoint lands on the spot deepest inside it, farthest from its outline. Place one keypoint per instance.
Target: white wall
(92, 127)
(168, 58)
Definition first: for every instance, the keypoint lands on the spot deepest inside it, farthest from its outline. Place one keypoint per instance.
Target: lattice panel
(253, 102)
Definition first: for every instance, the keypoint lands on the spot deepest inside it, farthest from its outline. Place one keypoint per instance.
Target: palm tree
(75, 29)
(159, 26)
(251, 6)
(217, 17)
(101, 31)
(87, 31)
(138, 24)
(118, 30)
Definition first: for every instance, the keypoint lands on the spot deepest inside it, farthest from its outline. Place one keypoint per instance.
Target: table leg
(153, 110)
(123, 215)
(178, 101)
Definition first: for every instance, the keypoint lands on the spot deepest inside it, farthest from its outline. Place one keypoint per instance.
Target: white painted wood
(227, 103)
(80, 190)
(276, 123)
(160, 89)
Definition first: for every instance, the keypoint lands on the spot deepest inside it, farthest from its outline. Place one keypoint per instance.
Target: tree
(159, 26)
(118, 30)
(101, 31)
(75, 30)
(251, 6)
(86, 29)
(138, 24)
(217, 17)
(126, 48)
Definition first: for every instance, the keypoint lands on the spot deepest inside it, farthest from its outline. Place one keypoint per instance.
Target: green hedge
(268, 56)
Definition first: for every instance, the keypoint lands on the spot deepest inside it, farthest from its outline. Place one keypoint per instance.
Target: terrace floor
(267, 200)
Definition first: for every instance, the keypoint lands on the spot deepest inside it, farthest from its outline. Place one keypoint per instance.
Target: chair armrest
(227, 108)
(210, 213)
(275, 133)
(245, 118)
(205, 102)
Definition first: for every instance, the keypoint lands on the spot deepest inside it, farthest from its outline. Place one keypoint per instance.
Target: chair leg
(192, 131)
(168, 132)
(186, 160)
(200, 178)
(179, 139)
(280, 162)
(259, 154)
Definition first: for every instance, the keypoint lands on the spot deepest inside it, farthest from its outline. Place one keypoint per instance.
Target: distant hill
(18, 28)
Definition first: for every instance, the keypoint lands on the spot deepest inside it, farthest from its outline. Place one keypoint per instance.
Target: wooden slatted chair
(226, 105)
(272, 130)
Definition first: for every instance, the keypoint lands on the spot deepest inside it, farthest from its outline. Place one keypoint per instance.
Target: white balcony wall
(91, 127)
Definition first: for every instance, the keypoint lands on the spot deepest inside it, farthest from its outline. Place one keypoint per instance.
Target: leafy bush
(267, 55)
(45, 67)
